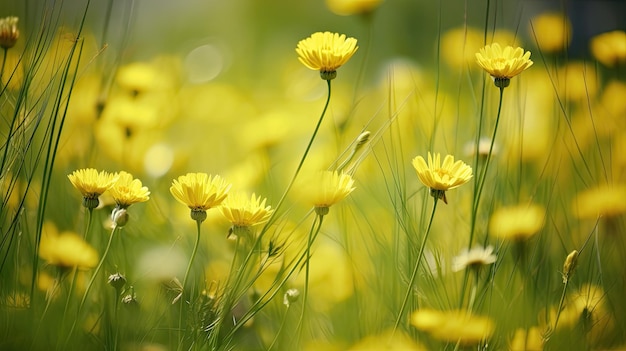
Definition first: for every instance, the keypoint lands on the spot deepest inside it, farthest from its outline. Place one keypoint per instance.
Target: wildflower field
(312, 175)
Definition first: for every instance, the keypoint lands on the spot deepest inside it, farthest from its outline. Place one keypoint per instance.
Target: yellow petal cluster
(326, 188)
(602, 201)
(66, 250)
(453, 326)
(503, 63)
(92, 183)
(200, 191)
(127, 190)
(438, 176)
(609, 48)
(527, 340)
(517, 222)
(244, 211)
(326, 52)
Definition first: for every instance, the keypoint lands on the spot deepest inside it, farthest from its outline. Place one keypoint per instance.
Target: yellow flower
(66, 250)
(352, 7)
(326, 188)
(517, 222)
(527, 340)
(459, 45)
(91, 184)
(199, 192)
(441, 177)
(326, 52)
(601, 201)
(609, 48)
(552, 31)
(587, 309)
(244, 211)
(503, 64)
(453, 326)
(474, 258)
(127, 191)
(388, 340)
(8, 32)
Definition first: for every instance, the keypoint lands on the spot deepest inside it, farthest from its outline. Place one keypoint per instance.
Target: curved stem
(416, 268)
(312, 235)
(306, 152)
(90, 284)
(191, 259)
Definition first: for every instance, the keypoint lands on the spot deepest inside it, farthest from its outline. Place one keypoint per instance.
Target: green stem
(478, 188)
(89, 285)
(416, 268)
(182, 299)
(307, 264)
(306, 152)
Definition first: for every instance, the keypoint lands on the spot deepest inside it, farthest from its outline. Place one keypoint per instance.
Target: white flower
(475, 258)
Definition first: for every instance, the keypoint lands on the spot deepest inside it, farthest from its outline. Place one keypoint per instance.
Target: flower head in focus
(609, 48)
(244, 211)
(200, 192)
(127, 191)
(503, 64)
(8, 32)
(441, 177)
(453, 326)
(326, 52)
(474, 258)
(92, 184)
(517, 222)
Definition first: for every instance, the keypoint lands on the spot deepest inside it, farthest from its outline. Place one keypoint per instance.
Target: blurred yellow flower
(8, 32)
(66, 250)
(588, 309)
(517, 222)
(527, 340)
(91, 184)
(326, 52)
(200, 192)
(352, 7)
(244, 211)
(441, 177)
(601, 201)
(474, 258)
(609, 48)
(552, 31)
(577, 81)
(127, 191)
(326, 188)
(453, 326)
(459, 45)
(503, 64)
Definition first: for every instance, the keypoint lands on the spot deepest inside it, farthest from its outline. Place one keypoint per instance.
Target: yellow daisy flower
(127, 191)
(441, 177)
(503, 64)
(609, 48)
(324, 189)
(91, 184)
(601, 201)
(244, 211)
(453, 326)
(199, 192)
(326, 52)
(527, 340)
(8, 32)
(517, 222)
